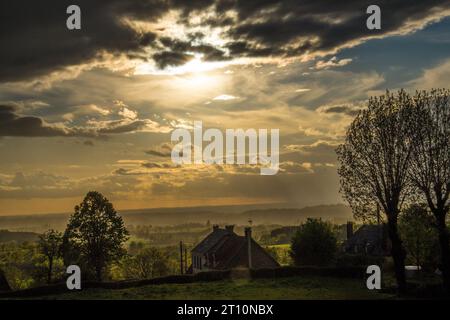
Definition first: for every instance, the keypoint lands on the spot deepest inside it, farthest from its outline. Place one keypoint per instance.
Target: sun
(194, 77)
(198, 82)
(195, 65)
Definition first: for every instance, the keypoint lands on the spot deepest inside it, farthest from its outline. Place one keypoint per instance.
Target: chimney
(215, 227)
(229, 228)
(248, 237)
(349, 229)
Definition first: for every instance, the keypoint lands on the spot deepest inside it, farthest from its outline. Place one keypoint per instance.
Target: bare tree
(374, 164)
(430, 166)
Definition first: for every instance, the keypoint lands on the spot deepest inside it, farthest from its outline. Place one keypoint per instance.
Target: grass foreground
(270, 289)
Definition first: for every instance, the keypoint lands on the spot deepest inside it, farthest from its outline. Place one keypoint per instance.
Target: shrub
(314, 244)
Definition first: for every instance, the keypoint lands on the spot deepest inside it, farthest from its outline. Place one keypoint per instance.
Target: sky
(93, 109)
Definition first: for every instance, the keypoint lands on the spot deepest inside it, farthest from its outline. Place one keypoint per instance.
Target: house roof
(366, 234)
(211, 240)
(230, 250)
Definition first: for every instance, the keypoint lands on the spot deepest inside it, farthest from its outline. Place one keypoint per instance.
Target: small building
(368, 239)
(223, 249)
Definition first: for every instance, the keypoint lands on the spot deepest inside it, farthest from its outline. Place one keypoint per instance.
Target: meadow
(293, 288)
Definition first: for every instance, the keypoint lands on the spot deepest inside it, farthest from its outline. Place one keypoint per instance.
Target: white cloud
(332, 63)
(225, 97)
(302, 90)
(128, 113)
(85, 110)
(435, 77)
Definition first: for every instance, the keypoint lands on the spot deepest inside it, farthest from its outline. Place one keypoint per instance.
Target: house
(223, 249)
(369, 239)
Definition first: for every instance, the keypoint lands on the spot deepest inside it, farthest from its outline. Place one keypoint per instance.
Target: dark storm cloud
(12, 124)
(289, 28)
(157, 153)
(180, 52)
(35, 40)
(169, 59)
(349, 110)
(121, 126)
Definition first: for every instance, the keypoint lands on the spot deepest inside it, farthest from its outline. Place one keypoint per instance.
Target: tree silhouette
(4, 285)
(50, 246)
(95, 234)
(418, 234)
(314, 244)
(430, 165)
(374, 161)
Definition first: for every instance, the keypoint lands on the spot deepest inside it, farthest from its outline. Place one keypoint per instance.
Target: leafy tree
(50, 246)
(18, 262)
(150, 262)
(95, 234)
(280, 254)
(314, 244)
(135, 247)
(430, 168)
(375, 159)
(418, 234)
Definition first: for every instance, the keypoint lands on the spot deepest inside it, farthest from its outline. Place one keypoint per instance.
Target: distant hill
(282, 216)
(259, 214)
(334, 213)
(8, 236)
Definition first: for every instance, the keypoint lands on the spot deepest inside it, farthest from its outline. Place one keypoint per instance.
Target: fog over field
(259, 214)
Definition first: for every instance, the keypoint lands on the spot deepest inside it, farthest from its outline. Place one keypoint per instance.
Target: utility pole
(181, 257)
(185, 260)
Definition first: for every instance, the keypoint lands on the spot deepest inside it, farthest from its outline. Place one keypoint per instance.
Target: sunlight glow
(196, 65)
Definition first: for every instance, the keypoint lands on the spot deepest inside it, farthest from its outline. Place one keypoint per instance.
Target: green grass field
(282, 288)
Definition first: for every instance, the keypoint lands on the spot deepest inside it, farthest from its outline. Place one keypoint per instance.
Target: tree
(95, 234)
(374, 162)
(50, 246)
(430, 169)
(4, 285)
(149, 263)
(418, 234)
(314, 244)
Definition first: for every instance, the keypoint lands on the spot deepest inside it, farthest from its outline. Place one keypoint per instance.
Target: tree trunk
(4, 285)
(444, 240)
(98, 273)
(398, 255)
(50, 269)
